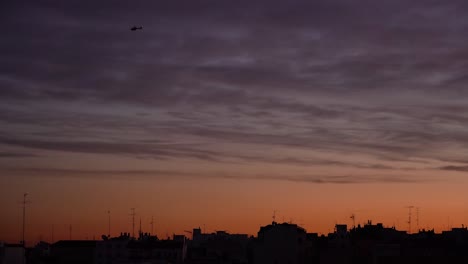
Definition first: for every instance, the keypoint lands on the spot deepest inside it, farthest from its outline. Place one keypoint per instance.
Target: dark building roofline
(75, 243)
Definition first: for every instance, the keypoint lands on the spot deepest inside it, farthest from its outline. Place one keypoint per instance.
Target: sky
(218, 113)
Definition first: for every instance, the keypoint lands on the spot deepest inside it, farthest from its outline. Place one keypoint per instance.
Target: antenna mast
(409, 218)
(417, 218)
(23, 241)
(152, 224)
(108, 226)
(133, 221)
(354, 220)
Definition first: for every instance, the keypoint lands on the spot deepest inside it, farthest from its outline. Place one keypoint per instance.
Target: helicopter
(135, 28)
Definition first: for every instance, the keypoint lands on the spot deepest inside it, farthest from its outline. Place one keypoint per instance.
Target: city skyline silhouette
(276, 242)
(136, 222)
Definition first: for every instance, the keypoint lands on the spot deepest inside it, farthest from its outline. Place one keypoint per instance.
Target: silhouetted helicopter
(135, 28)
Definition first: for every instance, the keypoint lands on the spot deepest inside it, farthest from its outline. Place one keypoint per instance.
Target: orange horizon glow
(236, 206)
(217, 113)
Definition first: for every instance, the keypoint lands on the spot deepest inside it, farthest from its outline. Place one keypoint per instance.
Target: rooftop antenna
(139, 232)
(301, 222)
(133, 221)
(354, 220)
(417, 218)
(189, 232)
(409, 218)
(152, 224)
(274, 216)
(23, 241)
(108, 224)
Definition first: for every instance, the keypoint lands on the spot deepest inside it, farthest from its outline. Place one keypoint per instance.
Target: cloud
(300, 46)
(17, 155)
(455, 168)
(397, 137)
(95, 174)
(383, 81)
(158, 174)
(155, 150)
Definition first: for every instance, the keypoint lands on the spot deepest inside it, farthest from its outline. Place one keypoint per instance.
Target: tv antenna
(24, 203)
(353, 217)
(409, 218)
(140, 231)
(417, 218)
(109, 224)
(189, 232)
(132, 214)
(152, 224)
(52, 234)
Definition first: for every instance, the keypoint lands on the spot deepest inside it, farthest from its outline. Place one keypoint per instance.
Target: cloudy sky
(219, 112)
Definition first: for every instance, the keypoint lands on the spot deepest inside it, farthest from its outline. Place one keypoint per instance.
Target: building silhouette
(217, 247)
(12, 253)
(277, 243)
(282, 243)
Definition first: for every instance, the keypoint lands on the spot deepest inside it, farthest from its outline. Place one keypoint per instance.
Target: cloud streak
(174, 174)
(455, 168)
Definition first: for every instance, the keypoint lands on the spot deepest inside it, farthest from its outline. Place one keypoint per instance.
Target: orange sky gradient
(217, 113)
(238, 206)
